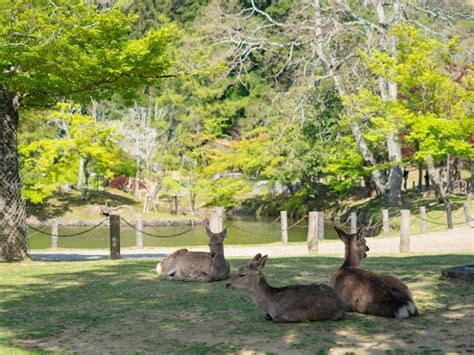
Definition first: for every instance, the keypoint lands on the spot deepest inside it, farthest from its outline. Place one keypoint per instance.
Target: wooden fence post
(320, 225)
(115, 236)
(449, 214)
(312, 241)
(386, 223)
(423, 219)
(467, 214)
(54, 235)
(284, 227)
(138, 233)
(353, 222)
(404, 231)
(215, 220)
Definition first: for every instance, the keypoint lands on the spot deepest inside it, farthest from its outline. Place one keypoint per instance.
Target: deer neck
(219, 265)
(261, 293)
(351, 258)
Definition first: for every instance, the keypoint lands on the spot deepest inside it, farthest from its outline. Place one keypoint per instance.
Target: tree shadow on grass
(119, 306)
(62, 203)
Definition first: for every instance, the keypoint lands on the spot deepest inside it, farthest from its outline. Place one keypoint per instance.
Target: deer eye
(242, 275)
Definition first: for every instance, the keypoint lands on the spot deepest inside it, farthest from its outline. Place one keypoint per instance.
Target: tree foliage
(69, 48)
(434, 107)
(274, 112)
(53, 160)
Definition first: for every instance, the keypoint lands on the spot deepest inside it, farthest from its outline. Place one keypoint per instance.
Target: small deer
(184, 265)
(364, 291)
(295, 303)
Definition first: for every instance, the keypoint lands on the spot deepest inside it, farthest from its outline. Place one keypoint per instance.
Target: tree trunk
(449, 174)
(355, 128)
(150, 104)
(470, 191)
(192, 196)
(389, 44)
(420, 177)
(150, 198)
(85, 191)
(12, 209)
(80, 175)
(435, 181)
(393, 196)
(136, 192)
(369, 159)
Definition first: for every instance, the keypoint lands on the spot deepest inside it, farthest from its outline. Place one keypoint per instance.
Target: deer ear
(208, 231)
(341, 234)
(255, 262)
(261, 263)
(359, 233)
(224, 232)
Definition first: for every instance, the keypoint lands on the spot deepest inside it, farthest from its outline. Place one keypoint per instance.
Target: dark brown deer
(366, 292)
(185, 265)
(296, 303)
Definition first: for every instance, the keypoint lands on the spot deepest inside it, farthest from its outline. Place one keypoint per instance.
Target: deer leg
(174, 275)
(285, 318)
(175, 278)
(199, 276)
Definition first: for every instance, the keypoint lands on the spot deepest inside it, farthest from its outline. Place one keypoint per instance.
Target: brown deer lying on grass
(296, 303)
(366, 292)
(184, 265)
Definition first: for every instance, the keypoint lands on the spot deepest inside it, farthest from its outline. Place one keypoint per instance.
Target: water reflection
(242, 231)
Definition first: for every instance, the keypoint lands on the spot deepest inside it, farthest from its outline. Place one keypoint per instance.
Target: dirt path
(459, 240)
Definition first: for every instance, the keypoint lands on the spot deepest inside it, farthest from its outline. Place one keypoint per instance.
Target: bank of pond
(242, 231)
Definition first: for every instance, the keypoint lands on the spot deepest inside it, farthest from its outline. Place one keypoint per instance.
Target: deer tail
(407, 310)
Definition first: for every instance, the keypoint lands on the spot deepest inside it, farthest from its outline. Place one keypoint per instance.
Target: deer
(364, 291)
(185, 265)
(289, 304)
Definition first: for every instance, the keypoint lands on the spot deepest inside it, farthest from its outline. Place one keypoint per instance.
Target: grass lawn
(120, 307)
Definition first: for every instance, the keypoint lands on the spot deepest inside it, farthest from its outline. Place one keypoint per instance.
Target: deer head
(355, 246)
(216, 242)
(248, 276)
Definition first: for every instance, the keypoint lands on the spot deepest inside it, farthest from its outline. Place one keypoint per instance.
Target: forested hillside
(256, 103)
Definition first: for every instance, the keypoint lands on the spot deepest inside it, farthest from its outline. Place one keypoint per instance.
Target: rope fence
(348, 221)
(157, 235)
(297, 222)
(42, 231)
(440, 223)
(390, 221)
(438, 216)
(276, 220)
(377, 224)
(246, 231)
(71, 234)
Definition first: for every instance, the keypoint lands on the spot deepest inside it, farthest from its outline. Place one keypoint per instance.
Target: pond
(242, 231)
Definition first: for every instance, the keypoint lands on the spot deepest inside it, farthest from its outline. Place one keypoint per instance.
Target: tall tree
(315, 40)
(434, 105)
(62, 49)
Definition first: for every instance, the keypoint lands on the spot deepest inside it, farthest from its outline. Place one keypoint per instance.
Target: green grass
(119, 306)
